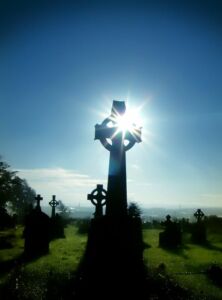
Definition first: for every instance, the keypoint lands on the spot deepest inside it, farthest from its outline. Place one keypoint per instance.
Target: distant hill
(160, 213)
(147, 213)
(75, 212)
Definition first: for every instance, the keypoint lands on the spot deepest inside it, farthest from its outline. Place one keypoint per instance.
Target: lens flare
(129, 122)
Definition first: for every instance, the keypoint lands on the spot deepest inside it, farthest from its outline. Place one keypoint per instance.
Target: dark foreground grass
(51, 276)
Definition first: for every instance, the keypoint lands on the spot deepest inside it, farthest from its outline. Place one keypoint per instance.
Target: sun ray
(127, 122)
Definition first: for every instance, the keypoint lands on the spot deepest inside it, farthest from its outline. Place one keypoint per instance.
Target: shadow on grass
(210, 246)
(178, 251)
(154, 285)
(11, 264)
(8, 265)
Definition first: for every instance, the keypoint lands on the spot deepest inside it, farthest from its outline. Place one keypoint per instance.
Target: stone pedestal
(171, 237)
(36, 234)
(57, 227)
(113, 262)
(199, 233)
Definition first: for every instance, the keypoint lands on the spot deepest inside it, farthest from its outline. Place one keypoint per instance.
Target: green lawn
(34, 280)
(190, 258)
(31, 280)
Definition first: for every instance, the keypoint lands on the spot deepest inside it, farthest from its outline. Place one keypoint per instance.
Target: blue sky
(62, 65)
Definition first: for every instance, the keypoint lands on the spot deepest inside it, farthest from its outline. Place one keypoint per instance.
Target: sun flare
(129, 122)
(123, 123)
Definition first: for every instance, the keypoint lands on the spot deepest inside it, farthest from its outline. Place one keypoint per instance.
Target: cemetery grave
(56, 222)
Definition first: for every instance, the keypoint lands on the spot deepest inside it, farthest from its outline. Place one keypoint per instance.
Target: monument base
(113, 262)
(199, 233)
(36, 234)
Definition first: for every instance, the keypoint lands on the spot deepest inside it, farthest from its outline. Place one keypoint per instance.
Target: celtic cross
(53, 203)
(199, 215)
(117, 141)
(98, 198)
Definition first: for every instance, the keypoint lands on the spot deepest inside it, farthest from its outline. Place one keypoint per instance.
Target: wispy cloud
(212, 196)
(135, 166)
(70, 186)
(145, 184)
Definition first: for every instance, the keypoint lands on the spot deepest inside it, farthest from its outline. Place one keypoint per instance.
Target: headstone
(53, 203)
(56, 222)
(114, 251)
(36, 232)
(199, 233)
(171, 236)
(98, 198)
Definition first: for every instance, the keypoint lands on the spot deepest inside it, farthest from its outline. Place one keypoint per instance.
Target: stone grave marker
(171, 236)
(36, 232)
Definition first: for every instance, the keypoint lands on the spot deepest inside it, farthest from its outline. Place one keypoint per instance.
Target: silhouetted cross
(98, 198)
(38, 198)
(199, 215)
(168, 221)
(53, 203)
(113, 138)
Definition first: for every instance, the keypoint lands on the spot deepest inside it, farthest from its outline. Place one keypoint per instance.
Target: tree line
(16, 196)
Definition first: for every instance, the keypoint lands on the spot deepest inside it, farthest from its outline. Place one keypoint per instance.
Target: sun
(130, 122)
(123, 122)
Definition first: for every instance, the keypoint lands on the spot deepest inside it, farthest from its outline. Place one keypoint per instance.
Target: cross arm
(133, 135)
(90, 197)
(104, 132)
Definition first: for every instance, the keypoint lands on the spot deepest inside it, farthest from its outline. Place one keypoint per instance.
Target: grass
(190, 258)
(14, 238)
(34, 279)
(48, 274)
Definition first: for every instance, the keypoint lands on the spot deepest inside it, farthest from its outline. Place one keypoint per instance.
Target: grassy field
(34, 279)
(190, 258)
(47, 275)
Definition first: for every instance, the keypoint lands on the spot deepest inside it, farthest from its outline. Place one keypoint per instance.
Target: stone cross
(38, 198)
(53, 203)
(114, 139)
(168, 219)
(98, 198)
(199, 215)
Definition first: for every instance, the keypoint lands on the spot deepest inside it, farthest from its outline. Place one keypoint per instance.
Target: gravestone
(113, 261)
(98, 198)
(56, 221)
(199, 233)
(53, 203)
(36, 232)
(171, 236)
